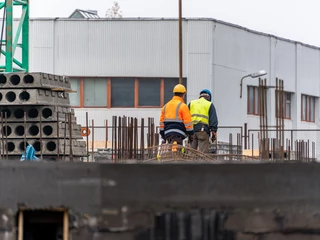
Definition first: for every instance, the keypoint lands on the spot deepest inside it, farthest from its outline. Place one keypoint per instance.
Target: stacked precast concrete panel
(35, 109)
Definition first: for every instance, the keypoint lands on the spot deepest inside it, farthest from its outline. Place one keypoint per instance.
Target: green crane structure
(10, 42)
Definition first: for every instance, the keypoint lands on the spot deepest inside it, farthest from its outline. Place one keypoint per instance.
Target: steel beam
(9, 35)
(11, 39)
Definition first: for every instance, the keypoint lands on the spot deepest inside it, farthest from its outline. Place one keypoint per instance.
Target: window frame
(109, 92)
(83, 92)
(81, 105)
(255, 98)
(80, 90)
(308, 98)
(285, 98)
(161, 92)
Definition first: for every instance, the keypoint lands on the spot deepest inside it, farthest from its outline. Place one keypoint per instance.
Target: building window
(75, 96)
(95, 92)
(149, 92)
(122, 92)
(308, 108)
(286, 111)
(253, 100)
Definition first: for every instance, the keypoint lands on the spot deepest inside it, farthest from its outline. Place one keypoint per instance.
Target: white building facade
(129, 67)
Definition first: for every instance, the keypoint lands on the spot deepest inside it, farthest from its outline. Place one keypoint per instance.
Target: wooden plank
(20, 225)
(48, 209)
(62, 90)
(65, 225)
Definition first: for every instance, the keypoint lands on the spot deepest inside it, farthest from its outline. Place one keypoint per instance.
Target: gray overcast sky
(294, 19)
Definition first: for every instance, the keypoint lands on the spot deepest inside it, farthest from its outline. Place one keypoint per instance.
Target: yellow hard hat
(179, 88)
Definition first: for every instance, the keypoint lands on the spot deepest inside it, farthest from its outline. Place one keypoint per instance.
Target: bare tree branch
(114, 11)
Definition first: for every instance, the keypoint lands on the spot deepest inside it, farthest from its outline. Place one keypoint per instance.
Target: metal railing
(128, 138)
(297, 144)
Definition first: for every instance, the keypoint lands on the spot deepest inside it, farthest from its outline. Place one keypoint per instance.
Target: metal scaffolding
(10, 41)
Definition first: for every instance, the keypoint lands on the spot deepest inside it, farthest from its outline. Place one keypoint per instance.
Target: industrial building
(129, 66)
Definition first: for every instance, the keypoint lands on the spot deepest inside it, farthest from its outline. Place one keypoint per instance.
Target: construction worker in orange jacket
(175, 119)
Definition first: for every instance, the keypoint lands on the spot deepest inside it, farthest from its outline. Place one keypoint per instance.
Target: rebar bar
(2, 136)
(58, 137)
(25, 130)
(142, 140)
(107, 139)
(135, 144)
(6, 126)
(41, 143)
(92, 143)
(115, 139)
(70, 136)
(64, 136)
(119, 138)
(87, 135)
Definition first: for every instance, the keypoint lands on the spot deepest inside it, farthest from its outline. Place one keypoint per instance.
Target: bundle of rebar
(179, 153)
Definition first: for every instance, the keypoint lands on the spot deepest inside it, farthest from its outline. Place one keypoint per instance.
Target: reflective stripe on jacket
(175, 118)
(199, 110)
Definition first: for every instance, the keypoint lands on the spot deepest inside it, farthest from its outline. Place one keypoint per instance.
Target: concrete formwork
(33, 97)
(48, 146)
(33, 113)
(34, 80)
(168, 201)
(43, 130)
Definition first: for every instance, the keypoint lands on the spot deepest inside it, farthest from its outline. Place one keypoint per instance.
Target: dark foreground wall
(168, 201)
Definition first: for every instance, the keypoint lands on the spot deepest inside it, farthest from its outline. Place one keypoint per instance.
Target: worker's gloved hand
(213, 137)
(190, 138)
(163, 141)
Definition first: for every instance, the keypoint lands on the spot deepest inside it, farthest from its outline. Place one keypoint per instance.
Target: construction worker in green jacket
(205, 121)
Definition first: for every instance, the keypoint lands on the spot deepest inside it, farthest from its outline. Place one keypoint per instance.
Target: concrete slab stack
(35, 109)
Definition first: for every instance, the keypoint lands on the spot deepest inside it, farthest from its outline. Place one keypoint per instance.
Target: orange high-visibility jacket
(175, 119)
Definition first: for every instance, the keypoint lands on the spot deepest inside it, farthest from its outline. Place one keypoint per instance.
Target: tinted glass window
(149, 92)
(122, 92)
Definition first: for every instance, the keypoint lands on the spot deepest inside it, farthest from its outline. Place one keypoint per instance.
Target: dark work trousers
(201, 140)
(173, 138)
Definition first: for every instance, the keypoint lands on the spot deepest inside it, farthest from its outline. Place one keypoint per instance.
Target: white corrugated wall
(215, 55)
(123, 48)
